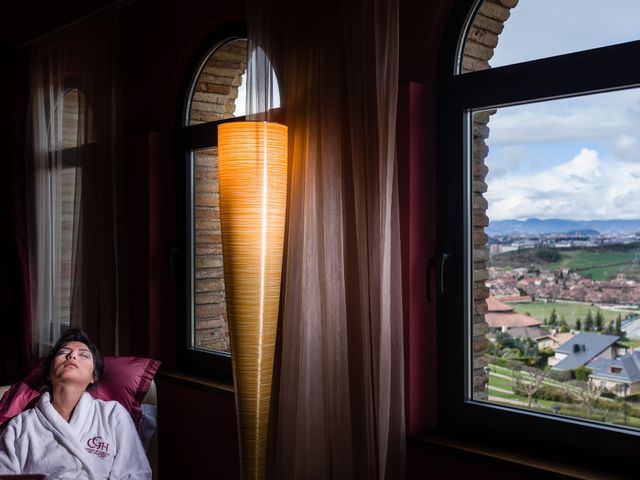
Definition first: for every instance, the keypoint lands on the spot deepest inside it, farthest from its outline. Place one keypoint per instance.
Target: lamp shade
(252, 175)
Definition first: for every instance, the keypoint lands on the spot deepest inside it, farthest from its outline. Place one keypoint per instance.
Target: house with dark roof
(616, 373)
(584, 348)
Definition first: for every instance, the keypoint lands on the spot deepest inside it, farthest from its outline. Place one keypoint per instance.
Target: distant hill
(585, 232)
(555, 225)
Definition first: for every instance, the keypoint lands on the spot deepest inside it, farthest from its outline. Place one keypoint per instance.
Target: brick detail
(483, 34)
(494, 9)
(210, 311)
(482, 39)
(216, 88)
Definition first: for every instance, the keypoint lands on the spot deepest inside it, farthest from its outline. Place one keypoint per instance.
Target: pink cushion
(125, 379)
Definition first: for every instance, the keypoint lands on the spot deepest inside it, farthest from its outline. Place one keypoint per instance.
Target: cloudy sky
(575, 158)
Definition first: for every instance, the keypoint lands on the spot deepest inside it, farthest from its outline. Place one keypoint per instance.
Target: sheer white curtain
(75, 187)
(46, 245)
(340, 397)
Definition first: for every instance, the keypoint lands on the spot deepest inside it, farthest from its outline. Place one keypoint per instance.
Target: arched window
(214, 92)
(66, 129)
(219, 89)
(538, 226)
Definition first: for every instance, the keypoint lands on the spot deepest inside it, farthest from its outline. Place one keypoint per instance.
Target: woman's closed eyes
(83, 353)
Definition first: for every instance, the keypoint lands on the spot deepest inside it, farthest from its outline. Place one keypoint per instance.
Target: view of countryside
(563, 257)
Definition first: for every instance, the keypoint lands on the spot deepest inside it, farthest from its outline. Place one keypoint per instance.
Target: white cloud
(584, 188)
(584, 166)
(512, 158)
(605, 117)
(626, 148)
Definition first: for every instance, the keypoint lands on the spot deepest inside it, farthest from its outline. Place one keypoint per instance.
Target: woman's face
(72, 364)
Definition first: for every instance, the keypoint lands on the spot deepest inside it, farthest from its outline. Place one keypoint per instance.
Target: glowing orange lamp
(252, 175)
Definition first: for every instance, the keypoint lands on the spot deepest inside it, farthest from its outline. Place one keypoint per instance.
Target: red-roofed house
(501, 317)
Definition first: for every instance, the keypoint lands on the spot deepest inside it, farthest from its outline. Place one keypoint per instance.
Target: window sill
(199, 383)
(533, 461)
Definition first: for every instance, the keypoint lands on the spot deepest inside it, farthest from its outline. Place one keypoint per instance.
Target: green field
(571, 311)
(506, 397)
(598, 264)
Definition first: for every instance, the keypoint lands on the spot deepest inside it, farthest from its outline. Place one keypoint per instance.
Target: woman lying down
(68, 434)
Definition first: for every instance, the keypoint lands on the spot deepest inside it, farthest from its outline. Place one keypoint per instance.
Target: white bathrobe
(99, 442)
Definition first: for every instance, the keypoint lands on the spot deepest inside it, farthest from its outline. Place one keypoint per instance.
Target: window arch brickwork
(480, 44)
(216, 89)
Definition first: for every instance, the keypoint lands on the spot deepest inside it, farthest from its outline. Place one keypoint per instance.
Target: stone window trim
(466, 84)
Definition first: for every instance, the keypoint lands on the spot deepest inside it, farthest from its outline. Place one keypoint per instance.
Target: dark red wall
(421, 26)
(197, 433)
(436, 462)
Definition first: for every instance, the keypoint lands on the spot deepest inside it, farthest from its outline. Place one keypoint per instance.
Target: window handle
(441, 266)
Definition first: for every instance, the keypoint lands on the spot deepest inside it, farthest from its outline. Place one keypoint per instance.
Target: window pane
(557, 257)
(535, 29)
(219, 89)
(72, 123)
(209, 322)
(70, 118)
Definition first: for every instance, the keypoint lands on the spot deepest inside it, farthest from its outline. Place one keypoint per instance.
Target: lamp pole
(252, 171)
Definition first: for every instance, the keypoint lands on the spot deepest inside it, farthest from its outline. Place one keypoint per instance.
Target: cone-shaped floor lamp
(252, 175)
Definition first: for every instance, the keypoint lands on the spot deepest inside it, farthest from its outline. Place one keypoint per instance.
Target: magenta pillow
(20, 397)
(125, 379)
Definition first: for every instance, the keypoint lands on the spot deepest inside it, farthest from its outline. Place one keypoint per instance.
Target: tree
(548, 255)
(553, 318)
(582, 373)
(578, 324)
(504, 340)
(585, 392)
(528, 381)
(610, 328)
(599, 320)
(564, 326)
(543, 357)
(529, 349)
(618, 325)
(588, 322)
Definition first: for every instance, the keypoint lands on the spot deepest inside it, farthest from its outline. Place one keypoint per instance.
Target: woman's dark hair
(74, 335)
